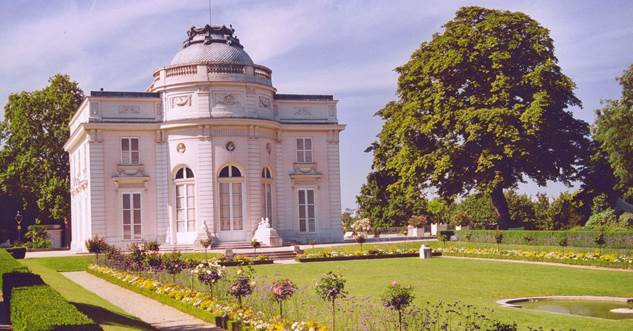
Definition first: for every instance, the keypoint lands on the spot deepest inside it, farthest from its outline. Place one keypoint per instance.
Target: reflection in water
(599, 309)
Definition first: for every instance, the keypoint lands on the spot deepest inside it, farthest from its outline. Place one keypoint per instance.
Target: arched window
(185, 200)
(230, 179)
(267, 195)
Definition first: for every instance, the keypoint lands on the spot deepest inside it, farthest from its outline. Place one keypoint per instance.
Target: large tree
(482, 106)
(613, 130)
(35, 167)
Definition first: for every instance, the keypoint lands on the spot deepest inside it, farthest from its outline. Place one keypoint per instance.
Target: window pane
(191, 226)
(190, 190)
(134, 144)
(308, 144)
(179, 174)
(180, 203)
(235, 172)
(191, 214)
(300, 156)
(310, 196)
(126, 232)
(189, 173)
(137, 217)
(310, 211)
(125, 145)
(302, 211)
(302, 225)
(180, 226)
(135, 157)
(126, 217)
(137, 201)
(180, 214)
(299, 144)
(237, 223)
(302, 199)
(312, 225)
(308, 156)
(224, 172)
(126, 201)
(137, 231)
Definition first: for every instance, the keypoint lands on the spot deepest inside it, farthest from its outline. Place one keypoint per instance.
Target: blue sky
(346, 48)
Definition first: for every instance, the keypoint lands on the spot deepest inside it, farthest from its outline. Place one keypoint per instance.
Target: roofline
(281, 96)
(124, 94)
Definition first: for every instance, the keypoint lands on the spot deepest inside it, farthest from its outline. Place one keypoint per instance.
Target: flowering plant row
(591, 258)
(370, 252)
(247, 316)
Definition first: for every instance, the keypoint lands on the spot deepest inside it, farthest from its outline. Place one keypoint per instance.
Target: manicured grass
(479, 283)
(109, 316)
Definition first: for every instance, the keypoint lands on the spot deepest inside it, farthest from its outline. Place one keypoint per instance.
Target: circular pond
(602, 307)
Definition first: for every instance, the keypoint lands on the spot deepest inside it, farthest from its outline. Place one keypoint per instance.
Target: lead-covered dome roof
(215, 44)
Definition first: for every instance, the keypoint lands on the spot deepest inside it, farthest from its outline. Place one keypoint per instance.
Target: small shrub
(563, 243)
(330, 288)
(97, 245)
(152, 246)
(398, 298)
(282, 290)
(360, 239)
(173, 263)
(256, 244)
(418, 221)
(498, 238)
(242, 286)
(209, 273)
(445, 236)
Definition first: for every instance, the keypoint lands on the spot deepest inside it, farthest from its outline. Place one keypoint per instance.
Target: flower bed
(360, 255)
(579, 258)
(227, 315)
(245, 260)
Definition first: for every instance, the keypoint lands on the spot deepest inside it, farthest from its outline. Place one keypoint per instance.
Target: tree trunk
(501, 208)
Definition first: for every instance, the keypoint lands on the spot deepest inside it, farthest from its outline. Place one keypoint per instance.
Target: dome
(212, 44)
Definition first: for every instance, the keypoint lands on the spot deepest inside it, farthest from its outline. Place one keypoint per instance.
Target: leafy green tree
(481, 107)
(35, 168)
(479, 211)
(612, 130)
(565, 212)
(521, 209)
(542, 217)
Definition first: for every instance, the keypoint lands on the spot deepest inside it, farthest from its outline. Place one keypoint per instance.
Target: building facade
(209, 148)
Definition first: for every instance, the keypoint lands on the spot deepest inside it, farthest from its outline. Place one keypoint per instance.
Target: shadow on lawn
(106, 317)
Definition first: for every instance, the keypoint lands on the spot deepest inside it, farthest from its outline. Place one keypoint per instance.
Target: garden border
(359, 257)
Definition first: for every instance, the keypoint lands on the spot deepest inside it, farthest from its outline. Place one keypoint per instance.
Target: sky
(346, 48)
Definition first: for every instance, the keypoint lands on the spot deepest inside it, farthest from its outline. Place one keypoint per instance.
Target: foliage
(209, 273)
(614, 239)
(152, 246)
(97, 245)
(626, 220)
(479, 211)
(565, 212)
(331, 287)
(40, 307)
(398, 298)
(521, 209)
(282, 290)
(439, 211)
(603, 220)
(34, 166)
(242, 286)
(612, 130)
(347, 220)
(37, 236)
(418, 221)
(173, 263)
(482, 107)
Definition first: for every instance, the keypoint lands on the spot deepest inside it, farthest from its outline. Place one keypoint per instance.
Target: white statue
(266, 235)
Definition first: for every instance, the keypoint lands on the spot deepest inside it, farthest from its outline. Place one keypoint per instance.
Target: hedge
(17, 252)
(614, 239)
(33, 305)
(40, 308)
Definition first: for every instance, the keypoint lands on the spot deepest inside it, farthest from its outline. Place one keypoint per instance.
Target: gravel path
(160, 316)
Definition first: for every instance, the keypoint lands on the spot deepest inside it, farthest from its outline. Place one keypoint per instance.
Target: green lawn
(472, 282)
(110, 317)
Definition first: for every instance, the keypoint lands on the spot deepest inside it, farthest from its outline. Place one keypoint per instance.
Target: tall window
(304, 150)
(185, 201)
(230, 199)
(129, 151)
(307, 220)
(131, 215)
(267, 195)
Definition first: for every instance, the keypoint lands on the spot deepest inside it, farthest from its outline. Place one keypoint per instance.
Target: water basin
(601, 307)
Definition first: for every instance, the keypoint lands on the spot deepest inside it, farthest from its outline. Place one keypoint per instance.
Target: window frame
(231, 181)
(187, 181)
(307, 206)
(304, 151)
(130, 150)
(133, 234)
